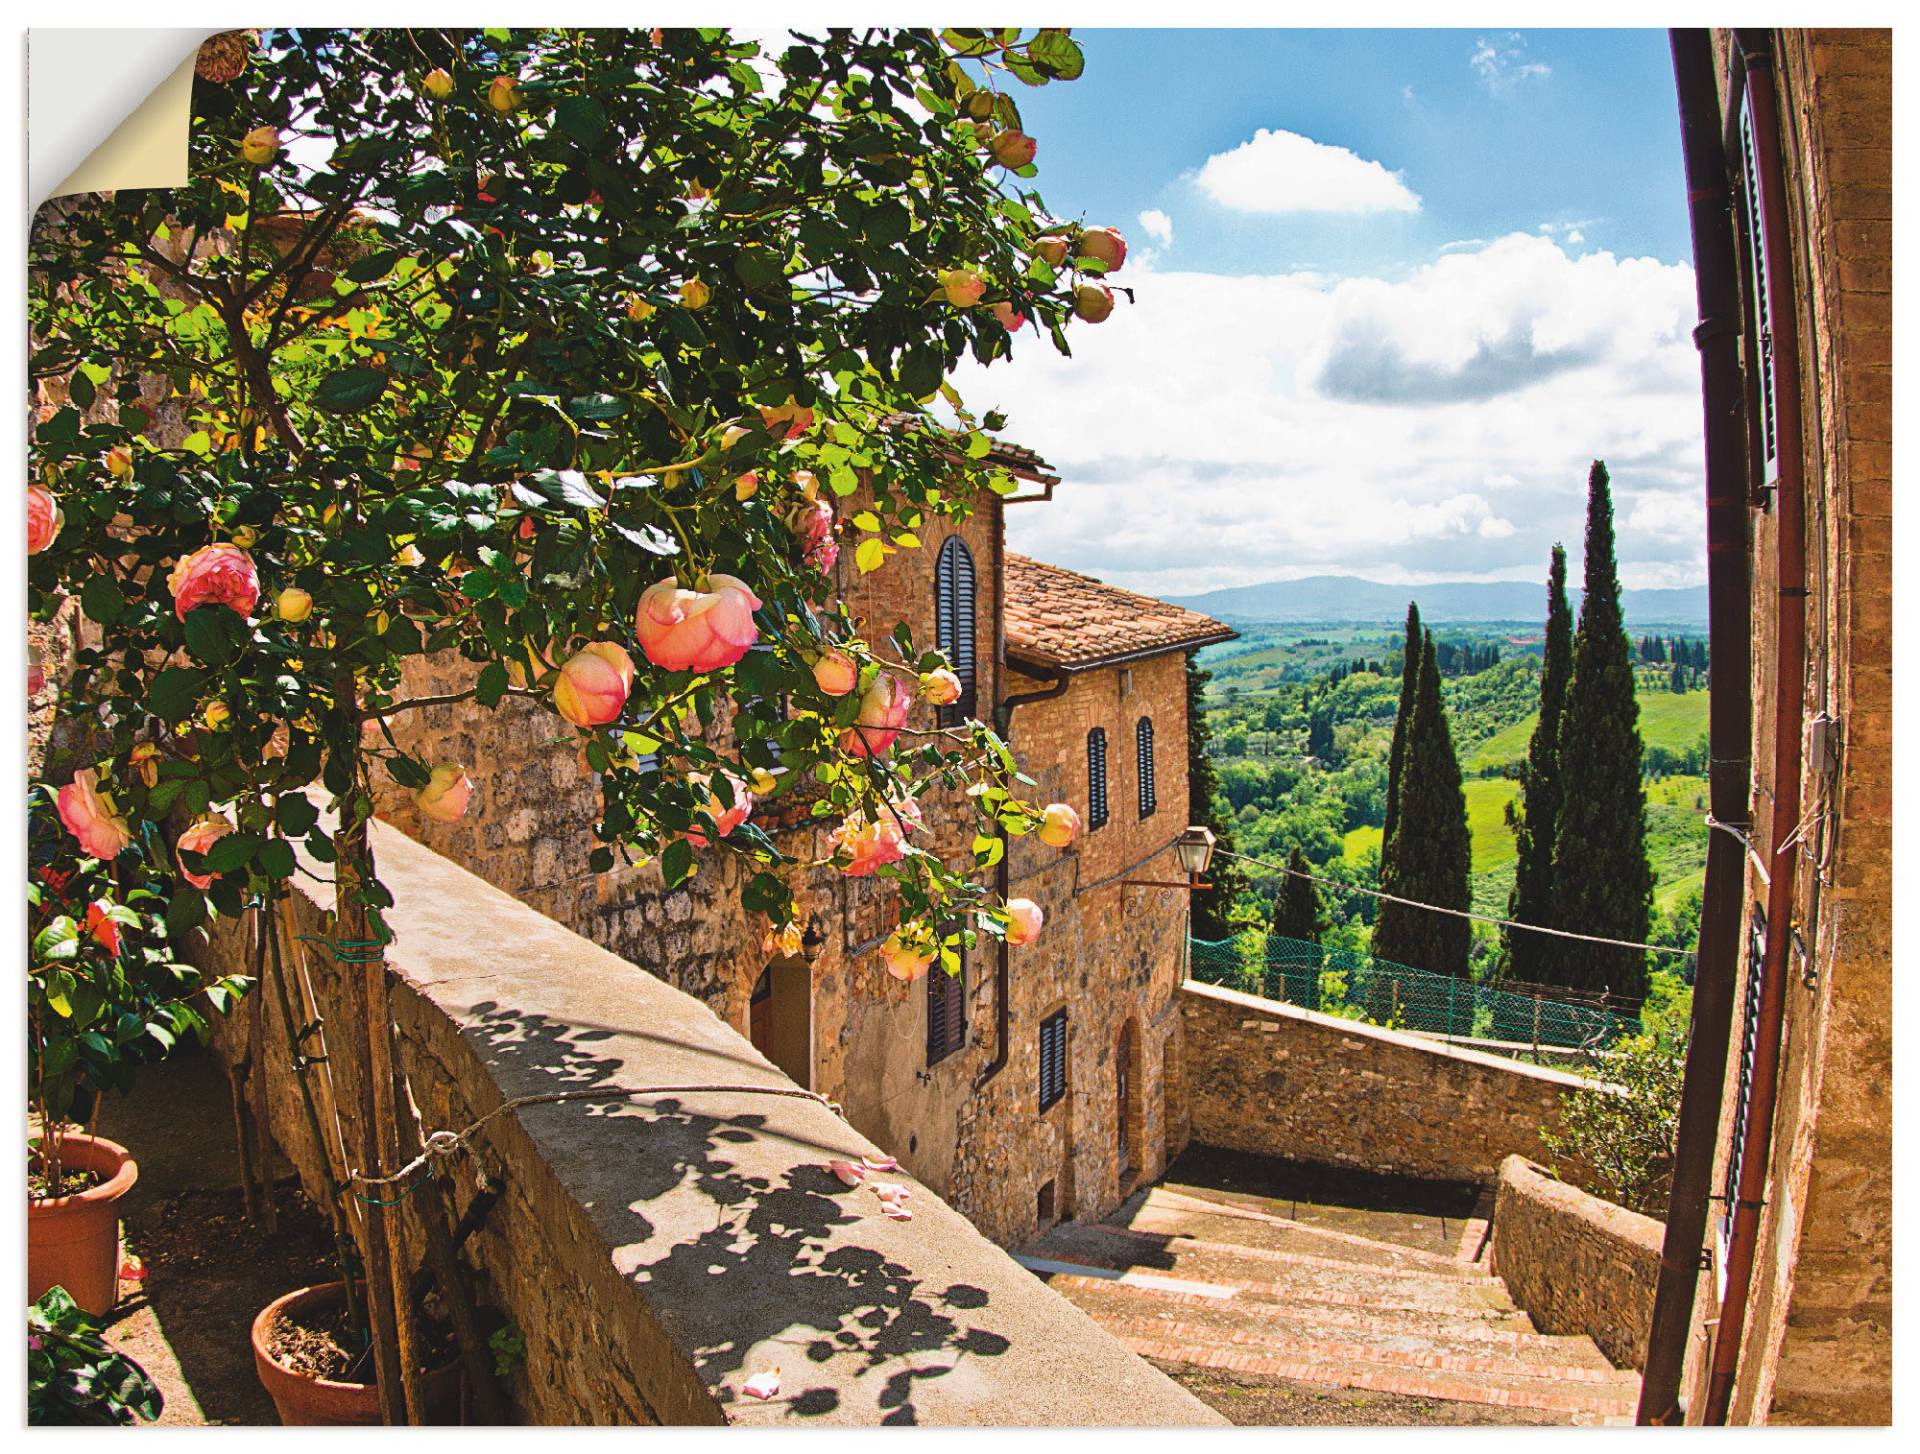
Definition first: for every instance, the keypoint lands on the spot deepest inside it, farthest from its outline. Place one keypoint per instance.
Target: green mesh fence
(1358, 986)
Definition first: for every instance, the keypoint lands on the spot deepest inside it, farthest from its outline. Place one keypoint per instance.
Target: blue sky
(1393, 291)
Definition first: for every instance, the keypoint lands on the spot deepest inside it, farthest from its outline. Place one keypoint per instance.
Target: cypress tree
(1205, 807)
(1409, 689)
(1296, 904)
(1430, 858)
(1602, 883)
(1538, 803)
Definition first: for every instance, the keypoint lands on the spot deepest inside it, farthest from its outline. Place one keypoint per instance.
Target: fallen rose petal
(763, 1385)
(896, 1212)
(132, 1269)
(892, 1191)
(880, 1163)
(849, 1173)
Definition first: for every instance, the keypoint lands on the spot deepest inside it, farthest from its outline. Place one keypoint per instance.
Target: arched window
(953, 628)
(1143, 750)
(1096, 778)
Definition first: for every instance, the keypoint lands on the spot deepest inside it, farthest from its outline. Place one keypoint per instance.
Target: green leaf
(186, 910)
(100, 598)
(215, 634)
(373, 267)
(350, 390)
(581, 118)
(232, 851)
(492, 685)
(1058, 54)
(295, 813)
(676, 864)
(276, 859)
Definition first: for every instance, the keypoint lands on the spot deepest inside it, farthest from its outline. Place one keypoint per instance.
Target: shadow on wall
(761, 1287)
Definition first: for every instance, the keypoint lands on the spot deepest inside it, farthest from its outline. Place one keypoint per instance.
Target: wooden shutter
(1053, 1058)
(1096, 778)
(954, 592)
(1743, 1085)
(1764, 439)
(946, 1011)
(1143, 747)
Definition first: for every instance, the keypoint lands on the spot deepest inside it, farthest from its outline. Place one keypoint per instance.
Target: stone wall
(1575, 1263)
(657, 1251)
(1283, 1081)
(1819, 1341)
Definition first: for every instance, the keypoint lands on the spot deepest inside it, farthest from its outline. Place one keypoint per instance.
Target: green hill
(1666, 720)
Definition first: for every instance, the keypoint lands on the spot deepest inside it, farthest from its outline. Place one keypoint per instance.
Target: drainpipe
(1729, 724)
(1789, 691)
(1003, 881)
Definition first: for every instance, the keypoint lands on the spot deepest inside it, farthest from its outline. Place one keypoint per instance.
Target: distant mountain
(1350, 598)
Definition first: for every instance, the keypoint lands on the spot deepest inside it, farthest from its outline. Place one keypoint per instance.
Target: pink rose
(444, 799)
(883, 712)
(1007, 316)
(812, 523)
(725, 819)
(836, 673)
(199, 837)
(1059, 825)
(90, 816)
(1013, 148)
(904, 959)
(1104, 245)
(43, 518)
(1092, 302)
(872, 844)
(697, 630)
(941, 687)
(593, 684)
(1023, 921)
(215, 575)
(963, 286)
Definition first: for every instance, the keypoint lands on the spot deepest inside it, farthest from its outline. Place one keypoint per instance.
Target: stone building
(1035, 1084)
(1813, 108)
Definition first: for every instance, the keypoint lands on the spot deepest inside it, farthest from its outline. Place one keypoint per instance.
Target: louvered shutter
(1053, 1058)
(1143, 748)
(1096, 778)
(954, 590)
(946, 1011)
(1765, 438)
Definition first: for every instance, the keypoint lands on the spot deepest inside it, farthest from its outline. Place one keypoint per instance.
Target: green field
(1666, 720)
(1487, 800)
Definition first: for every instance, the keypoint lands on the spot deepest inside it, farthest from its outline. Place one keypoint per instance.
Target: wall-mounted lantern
(1193, 850)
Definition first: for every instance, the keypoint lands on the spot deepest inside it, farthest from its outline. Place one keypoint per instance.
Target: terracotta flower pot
(74, 1241)
(304, 1399)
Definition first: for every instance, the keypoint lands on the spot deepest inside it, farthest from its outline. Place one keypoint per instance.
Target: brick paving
(1234, 1298)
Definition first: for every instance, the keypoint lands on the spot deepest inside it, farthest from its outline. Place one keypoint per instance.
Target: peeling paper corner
(82, 136)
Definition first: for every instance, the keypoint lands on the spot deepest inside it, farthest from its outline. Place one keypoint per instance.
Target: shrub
(1618, 1137)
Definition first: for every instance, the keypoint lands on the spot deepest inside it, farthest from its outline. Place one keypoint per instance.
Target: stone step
(1463, 1290)
(1532, 1389)
(1417, 1340)
(1181, 1212)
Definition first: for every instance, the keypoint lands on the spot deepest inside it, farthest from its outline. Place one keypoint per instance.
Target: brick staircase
(1197, 1279)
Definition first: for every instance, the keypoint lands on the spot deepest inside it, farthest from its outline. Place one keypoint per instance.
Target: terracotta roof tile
(1063, 620)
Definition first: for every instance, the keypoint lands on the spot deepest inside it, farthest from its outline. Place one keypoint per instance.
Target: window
(1743, 1085)
(1053, 1058)
(946, 1011)
(1143, 748)
(1096, 778)
(1764, 440)
(953, 625)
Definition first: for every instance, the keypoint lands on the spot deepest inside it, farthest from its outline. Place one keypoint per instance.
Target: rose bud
(293, 604)
(246, 537)
(963, 286)
(217, 715)
(725, 819)
(940, 686)
(763, 782)
(872, 845)
(504, 94)
(444, 799)
(1092, 302)
(732, 435)
(1023, 921)
(198, 838)
(694, 295)
(813, 526)
(746, 486)
(904, 960)
(593, 684)
(120, 462)
(43, 518)
(215, 575)
(1059, 825)
(1007, 316)
(639, 310)
(1052, 248)
(709, 630)
(1013, 148)
(883, 712)
(1105, 246)
(90, 816)
(409, 555)
(260, 146)
(145, 761)
(836, 673)
(439, 84)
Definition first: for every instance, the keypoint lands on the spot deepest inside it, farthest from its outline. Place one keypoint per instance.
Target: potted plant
(548, 370)
(74, 1376)
(105, 994)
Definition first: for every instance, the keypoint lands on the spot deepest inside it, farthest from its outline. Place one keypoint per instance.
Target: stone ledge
(657, 1252)
(1576, 1263)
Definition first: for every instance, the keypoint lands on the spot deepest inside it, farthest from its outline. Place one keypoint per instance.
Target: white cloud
(1501, 63)
(1157, 225)
(1229, 430)
(1282, 171)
